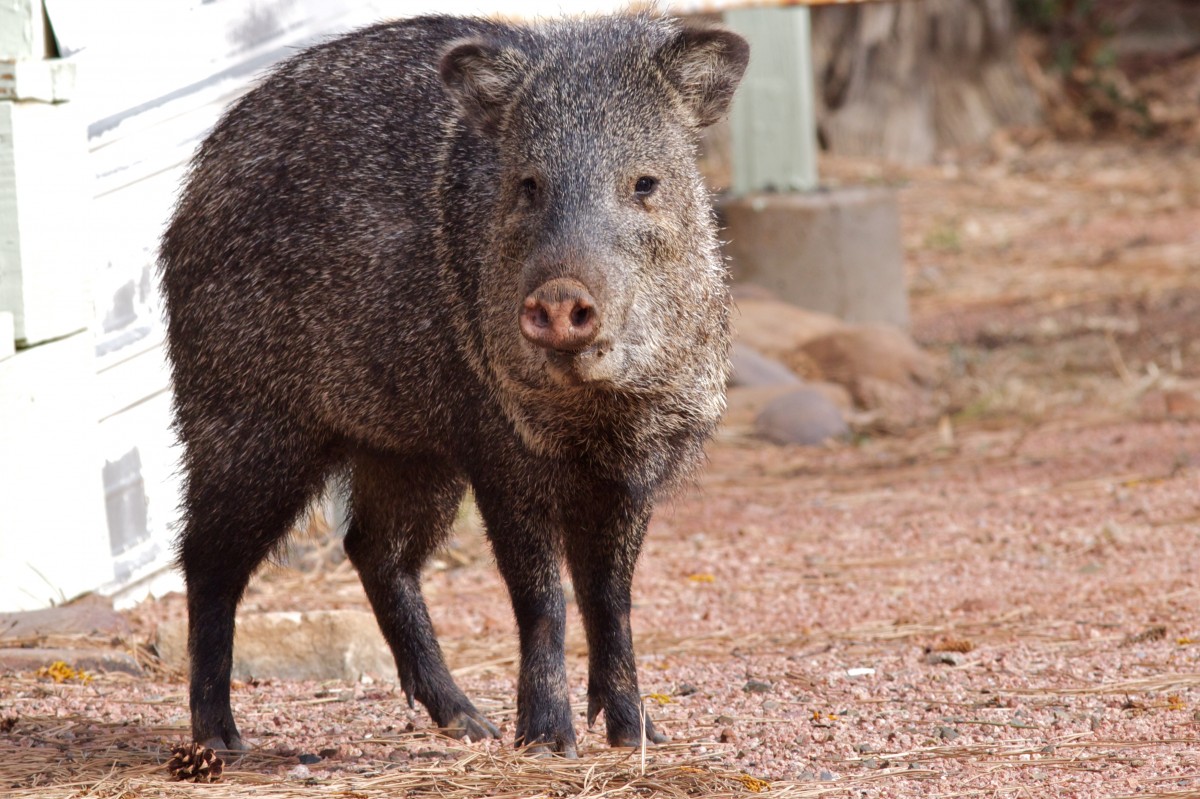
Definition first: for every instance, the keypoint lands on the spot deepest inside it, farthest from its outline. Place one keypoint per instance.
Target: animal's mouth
(592, 366)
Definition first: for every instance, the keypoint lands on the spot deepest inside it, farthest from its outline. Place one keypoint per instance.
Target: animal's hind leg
(401, 511)
(248, 479)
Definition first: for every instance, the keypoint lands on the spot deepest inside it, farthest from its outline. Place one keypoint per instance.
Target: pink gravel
(831, 578)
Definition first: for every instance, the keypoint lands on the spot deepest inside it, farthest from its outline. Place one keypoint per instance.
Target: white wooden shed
(101, 106)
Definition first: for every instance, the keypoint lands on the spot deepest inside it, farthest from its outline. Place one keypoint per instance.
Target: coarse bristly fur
(343, 276)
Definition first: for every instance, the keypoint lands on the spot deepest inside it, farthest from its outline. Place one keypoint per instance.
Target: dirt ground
(1002, 604)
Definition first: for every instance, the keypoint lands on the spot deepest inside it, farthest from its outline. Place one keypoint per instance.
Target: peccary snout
(561, 315)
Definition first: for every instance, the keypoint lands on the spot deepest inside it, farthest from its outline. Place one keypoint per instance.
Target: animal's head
(602, 268)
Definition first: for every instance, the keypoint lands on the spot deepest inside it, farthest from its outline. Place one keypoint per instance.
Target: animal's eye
(645, 186)
(529, 188)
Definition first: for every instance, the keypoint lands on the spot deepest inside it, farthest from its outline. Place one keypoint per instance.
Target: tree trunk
(904, 81)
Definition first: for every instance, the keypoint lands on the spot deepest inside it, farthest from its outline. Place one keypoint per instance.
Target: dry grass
(79, 757)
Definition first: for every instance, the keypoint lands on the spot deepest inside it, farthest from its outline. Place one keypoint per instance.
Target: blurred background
(939, 213)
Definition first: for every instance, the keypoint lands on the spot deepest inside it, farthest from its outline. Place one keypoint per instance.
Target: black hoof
(235, 744)
(624, 729)
(470, 724)
(562, 749)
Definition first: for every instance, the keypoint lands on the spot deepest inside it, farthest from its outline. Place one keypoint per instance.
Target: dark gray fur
(343, 275)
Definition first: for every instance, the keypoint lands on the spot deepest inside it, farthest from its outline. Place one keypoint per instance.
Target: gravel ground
(1005, 605)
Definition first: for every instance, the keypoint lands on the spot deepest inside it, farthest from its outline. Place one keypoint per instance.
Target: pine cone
(195, 763)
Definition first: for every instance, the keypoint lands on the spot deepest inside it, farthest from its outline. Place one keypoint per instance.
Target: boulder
(801, 416)
(316, 645)
(779, 330)
(884, 370)
(745, 403)
(887, 375)
(880, 352)
(751, 369)
(93, 661)
(89, 615)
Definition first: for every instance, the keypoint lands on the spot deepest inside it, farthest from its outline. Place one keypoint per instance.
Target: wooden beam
(44, 267)
(773, 118)
(51, 80)
(8, 336)
(53, 539)
(23, 30)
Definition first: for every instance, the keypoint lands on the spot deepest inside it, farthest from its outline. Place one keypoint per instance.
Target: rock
(884, 371)
(757, 687)
(744, 404)
(89, 660)
(947, 733)
(316, 645)
(685, 689)
(943, 658)
(780, 330)
(1182, 404)
(880, 366)
(754, 370)
(309, 759)
(727, 736)
(803, 416)
(432, 754)
(90, 615)
(892, 407)
(1155, 632)
(882, 352)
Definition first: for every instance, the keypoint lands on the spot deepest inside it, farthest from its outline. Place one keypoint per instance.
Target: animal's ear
(482, 77)
(705, 65)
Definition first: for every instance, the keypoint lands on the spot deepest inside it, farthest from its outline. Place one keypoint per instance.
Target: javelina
(443, 253)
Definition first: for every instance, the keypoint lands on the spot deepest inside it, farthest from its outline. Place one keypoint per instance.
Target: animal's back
(299, 261)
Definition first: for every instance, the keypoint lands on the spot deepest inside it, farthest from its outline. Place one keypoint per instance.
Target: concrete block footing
(836, 250)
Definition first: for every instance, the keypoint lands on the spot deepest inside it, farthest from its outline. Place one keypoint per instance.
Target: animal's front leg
(602, 545)
(522, 539)
(402, 511)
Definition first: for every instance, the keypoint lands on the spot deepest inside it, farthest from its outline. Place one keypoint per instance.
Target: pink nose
(560, 315)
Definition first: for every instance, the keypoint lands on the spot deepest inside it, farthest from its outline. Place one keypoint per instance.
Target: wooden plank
(143, 374)
(773, 118)
(51, 80)
(23, 30)
(43, 220)
(8, 336)
(128, 222)
(53, 540)
(140, 471)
